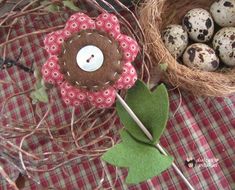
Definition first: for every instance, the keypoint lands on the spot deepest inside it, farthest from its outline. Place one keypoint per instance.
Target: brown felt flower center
(78, 69)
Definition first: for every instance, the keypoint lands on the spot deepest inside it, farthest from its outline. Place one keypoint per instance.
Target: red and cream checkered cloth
(201, 128)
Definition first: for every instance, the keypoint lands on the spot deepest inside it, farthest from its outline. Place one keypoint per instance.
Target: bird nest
(154, 16)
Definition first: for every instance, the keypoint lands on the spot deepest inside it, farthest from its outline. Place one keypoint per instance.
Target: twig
(9, 14)
(72, 127)
(7, 178)
(31, 34)
(12, 96)
(180, 103)
(28, 135)
(62, 164)
(5, 141)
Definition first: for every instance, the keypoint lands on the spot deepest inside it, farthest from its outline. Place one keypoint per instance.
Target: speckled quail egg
(201, 56)
(175, 39)
(224, 45)
(223, 12)
(199, 24)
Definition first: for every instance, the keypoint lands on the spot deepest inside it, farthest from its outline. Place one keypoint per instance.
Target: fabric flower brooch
(90, 59)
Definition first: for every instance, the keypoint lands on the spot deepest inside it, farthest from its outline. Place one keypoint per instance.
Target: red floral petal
(51, 71)
(108, 23)
(78, 22)
(72, 96)
(102, 99)
(129, 46)
(127, 78)
(54, 40)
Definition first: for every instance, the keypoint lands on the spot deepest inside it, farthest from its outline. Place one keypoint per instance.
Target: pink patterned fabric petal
(127, 78)
(108, 23)
(78, 22)
(129, 46)
(72, 96)
(102, 99)
(54, 40)
(51, 71)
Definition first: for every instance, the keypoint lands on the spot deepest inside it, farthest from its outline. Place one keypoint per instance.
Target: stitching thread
(88, 34)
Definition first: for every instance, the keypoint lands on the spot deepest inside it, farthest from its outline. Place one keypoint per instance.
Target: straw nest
(154, 16)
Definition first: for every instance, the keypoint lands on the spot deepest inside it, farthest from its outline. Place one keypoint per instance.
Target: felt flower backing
(74, 90)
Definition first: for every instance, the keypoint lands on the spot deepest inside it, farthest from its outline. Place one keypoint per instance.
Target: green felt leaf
(142, 160)
(53, 8)
(37, 73)
(39, 95)
(152, 108)
(163, 66)
(38, 84)
(70, 5)
(44, 2)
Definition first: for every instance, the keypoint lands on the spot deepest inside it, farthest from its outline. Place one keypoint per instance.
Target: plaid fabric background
(201, 128)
